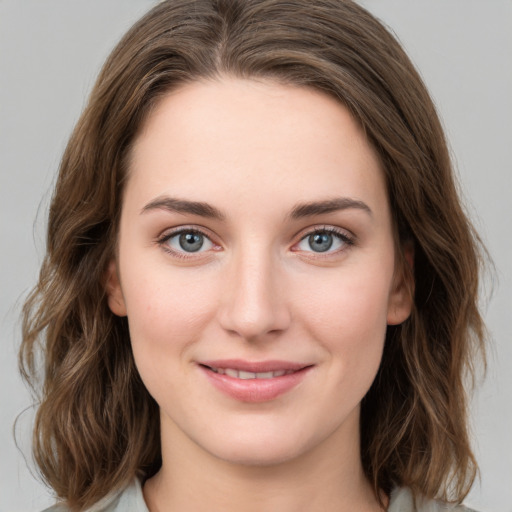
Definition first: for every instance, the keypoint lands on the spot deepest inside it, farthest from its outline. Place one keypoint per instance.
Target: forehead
(195, 112)
(246, 138)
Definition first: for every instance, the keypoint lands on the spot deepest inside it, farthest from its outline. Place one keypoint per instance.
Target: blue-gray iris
(320, 242)
(191, 242)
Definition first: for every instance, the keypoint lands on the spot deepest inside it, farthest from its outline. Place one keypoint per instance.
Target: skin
(257, 290)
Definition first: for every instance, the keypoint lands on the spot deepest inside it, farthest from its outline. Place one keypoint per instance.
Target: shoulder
(129, 499)
(402, 500)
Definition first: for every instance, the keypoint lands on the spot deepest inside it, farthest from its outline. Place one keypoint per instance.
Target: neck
(328, 478)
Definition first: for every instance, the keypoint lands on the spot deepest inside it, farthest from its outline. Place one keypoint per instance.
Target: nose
(253, 305)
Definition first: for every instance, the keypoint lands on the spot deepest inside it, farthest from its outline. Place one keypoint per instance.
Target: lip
(255, 390)
(255, 366)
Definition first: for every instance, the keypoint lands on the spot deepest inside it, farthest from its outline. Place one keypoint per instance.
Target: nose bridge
(254, 305)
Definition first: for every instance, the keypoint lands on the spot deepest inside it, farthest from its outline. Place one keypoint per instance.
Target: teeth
(243, 375)
(246, 375)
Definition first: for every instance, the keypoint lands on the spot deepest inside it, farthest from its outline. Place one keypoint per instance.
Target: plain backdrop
(50, 53)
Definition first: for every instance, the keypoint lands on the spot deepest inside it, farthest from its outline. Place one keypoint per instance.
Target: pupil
(191, 242)
(320, 242)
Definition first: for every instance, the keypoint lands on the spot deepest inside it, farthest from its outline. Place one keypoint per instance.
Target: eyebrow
(303, 210)
(299, 211)
(172, 204)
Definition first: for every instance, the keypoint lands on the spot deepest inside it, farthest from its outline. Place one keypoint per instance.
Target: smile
(244, 375)
(257, 382)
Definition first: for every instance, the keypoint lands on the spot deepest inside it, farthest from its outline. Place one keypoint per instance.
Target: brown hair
(96, 425)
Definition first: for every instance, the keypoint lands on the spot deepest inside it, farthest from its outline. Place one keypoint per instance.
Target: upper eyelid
(170, 232)
(326, 227)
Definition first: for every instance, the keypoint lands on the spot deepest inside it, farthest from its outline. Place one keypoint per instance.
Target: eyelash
(162, 241)
(348, 240)
(342, 236)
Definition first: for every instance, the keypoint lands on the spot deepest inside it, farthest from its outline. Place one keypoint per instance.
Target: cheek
(166, 311)
(349, 302)
(348, 316)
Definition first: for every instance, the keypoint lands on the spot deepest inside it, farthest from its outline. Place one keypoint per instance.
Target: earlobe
(402, 294)
(113, 289)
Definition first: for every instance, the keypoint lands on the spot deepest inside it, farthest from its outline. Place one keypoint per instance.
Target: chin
(255, 456)
(260, 449)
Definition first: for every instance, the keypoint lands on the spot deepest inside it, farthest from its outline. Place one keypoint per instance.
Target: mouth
(254, 381)
(245, 375)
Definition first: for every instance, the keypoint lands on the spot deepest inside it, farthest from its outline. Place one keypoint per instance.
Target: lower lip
(255, 390)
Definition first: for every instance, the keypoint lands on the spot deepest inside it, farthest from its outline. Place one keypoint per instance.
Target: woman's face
(256, 266)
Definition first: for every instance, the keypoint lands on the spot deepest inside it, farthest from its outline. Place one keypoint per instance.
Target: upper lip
(255, 366)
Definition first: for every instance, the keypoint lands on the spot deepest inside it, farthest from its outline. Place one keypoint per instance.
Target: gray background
(50, 52)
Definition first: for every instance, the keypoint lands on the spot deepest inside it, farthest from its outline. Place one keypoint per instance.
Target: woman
(260, 289)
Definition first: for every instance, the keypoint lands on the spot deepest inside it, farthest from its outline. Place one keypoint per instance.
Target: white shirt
(132, 500)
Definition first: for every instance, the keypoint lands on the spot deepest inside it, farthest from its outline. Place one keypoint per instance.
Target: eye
(325, 240)
(186, 241)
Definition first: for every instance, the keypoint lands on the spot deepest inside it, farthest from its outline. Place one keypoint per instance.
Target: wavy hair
(96, 425)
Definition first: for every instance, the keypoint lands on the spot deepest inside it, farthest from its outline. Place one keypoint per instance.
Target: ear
(114, 293)
(402, 293)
